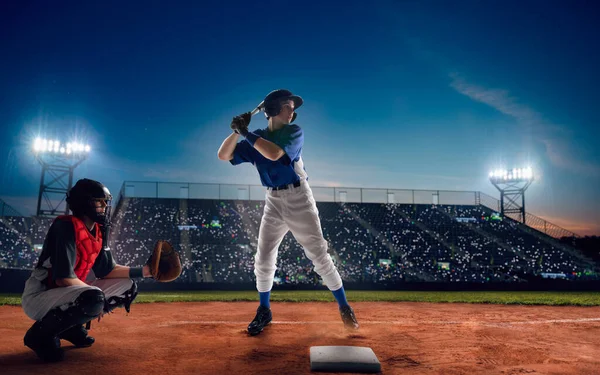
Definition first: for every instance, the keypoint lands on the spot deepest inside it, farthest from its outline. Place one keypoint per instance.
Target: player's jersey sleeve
(104, 264)
(242, 154)
(60, 247)
(291, 143)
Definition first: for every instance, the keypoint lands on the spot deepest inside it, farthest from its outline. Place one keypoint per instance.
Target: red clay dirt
(408, 338)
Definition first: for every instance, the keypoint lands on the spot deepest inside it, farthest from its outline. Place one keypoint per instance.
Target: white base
(343, 359)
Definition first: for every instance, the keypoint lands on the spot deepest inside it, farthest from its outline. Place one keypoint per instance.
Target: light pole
(58, 161)
(512, 184)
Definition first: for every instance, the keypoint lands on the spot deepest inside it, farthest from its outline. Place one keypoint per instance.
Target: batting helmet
(275, 98)
(81, 199)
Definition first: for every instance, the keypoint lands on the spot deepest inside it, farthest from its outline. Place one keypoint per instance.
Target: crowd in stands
(21, 239)
(369, 242)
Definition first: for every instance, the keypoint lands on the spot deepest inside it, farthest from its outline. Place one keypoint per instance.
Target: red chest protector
(87, 246)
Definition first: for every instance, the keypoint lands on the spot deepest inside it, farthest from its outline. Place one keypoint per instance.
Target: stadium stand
(369, 242)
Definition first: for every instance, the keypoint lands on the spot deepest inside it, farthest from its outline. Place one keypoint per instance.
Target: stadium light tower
(512, 185)
(58, 162)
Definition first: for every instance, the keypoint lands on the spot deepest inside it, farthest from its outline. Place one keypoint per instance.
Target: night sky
(398, 94)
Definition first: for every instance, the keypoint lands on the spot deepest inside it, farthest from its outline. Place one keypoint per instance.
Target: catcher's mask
(274, 100)
(82, 200)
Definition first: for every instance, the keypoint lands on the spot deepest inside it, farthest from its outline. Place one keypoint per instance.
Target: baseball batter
(276, 152)
(56, 295)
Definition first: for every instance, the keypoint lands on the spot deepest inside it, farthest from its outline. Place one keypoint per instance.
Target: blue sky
(398, 94)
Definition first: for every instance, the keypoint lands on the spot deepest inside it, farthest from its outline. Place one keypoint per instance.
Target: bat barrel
(258, 108)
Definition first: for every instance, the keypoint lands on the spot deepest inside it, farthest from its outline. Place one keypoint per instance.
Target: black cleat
(263, 318)
(78, 336)
(46, 347)
(348, 318)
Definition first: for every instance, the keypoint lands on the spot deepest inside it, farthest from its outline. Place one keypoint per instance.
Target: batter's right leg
(272, 230)
(271, 233)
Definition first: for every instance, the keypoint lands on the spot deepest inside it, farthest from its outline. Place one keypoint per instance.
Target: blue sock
(340, 296)
(264, 299)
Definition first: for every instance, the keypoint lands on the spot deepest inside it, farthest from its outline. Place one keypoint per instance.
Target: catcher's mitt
(164, 263)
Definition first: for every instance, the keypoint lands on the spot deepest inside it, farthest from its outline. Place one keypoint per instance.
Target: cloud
(553, 137)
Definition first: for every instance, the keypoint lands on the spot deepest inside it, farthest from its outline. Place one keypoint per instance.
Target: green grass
(505, 298)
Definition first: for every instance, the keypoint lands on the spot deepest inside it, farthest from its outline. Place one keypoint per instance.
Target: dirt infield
(408, 338)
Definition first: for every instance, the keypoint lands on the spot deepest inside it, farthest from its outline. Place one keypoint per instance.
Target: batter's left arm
(268, 149)
(288, 147)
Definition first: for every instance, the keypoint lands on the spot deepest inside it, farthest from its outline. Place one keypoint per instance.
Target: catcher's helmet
(82, 197)
(275, 98)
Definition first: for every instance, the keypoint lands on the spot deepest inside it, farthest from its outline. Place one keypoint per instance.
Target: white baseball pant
(37, 301)
(293, 209)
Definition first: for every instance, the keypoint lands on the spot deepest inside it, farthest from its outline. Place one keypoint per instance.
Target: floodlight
(56, 147)
(512, 183)
(58, 161)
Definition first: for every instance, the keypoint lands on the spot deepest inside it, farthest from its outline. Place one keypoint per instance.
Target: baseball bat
(258, 108)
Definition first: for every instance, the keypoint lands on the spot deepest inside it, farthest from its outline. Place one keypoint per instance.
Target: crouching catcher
(60, 296)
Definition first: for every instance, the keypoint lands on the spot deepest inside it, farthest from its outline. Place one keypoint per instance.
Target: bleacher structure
(374, 236)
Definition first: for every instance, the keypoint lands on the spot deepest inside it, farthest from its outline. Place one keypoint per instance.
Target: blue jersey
(280, 172)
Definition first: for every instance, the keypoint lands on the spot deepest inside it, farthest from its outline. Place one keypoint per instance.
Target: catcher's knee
(90, 302)
(125, 300)
(87, 306)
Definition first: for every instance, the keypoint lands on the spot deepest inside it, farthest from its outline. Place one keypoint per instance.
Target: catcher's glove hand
(240, 123)
(164, 263)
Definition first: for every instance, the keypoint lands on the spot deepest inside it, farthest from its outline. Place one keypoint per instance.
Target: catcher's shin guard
(43, 338)
(124, 300)
(78, 336)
